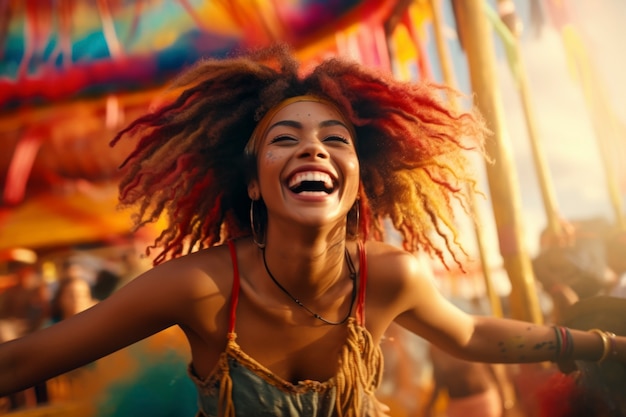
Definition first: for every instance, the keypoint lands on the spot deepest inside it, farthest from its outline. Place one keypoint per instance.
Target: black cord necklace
(314, 314)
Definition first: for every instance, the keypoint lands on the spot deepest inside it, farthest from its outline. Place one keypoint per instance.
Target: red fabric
(555, 396)
(234, 299)
(360, 305)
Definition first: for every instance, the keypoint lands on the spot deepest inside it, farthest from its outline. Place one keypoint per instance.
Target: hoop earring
(254, 227)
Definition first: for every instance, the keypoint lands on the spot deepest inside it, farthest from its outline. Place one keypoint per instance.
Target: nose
(314, 149)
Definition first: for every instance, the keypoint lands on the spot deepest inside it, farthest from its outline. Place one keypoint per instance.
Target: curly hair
(189, 164)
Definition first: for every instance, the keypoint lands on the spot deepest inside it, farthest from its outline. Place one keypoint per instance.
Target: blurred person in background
(24, 308)
(77, 267)
(27, 301)
(574, 265)
(471, 389)
(72, 296)
(462, 388)
(105, 284)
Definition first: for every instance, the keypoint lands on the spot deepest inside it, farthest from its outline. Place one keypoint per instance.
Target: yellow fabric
(360, 367)
(226, 388)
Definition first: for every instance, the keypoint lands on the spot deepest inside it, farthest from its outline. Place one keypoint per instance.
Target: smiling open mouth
(311, 182)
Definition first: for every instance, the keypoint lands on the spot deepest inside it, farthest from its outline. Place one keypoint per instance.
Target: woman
(275, 180)
(72, 296)
(474, 389)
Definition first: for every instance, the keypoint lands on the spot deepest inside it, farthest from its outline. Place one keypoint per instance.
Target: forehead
(303, 110)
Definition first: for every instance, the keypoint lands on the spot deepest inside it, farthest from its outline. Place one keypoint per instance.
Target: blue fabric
(158, 388)
(254, 396)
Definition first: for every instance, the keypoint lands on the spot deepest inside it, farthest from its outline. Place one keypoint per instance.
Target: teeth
(311, 176)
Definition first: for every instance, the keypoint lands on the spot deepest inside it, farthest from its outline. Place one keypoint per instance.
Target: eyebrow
(298, 125)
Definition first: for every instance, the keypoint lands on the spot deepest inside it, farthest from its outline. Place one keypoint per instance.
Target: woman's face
(308, 170)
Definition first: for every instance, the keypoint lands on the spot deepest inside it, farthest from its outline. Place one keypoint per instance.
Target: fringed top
(240, 386)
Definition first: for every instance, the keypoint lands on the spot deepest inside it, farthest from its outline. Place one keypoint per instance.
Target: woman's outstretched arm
(490, 339)
(152, 302)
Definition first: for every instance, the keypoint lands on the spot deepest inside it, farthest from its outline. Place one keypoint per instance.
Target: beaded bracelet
(608, 343)
(569, 348)
(564, 343)
(559, 342)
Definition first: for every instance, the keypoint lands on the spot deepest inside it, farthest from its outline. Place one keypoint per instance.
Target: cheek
(352, 169)
(353, 176)
(268, 165)
(270, 158)
(353, 166)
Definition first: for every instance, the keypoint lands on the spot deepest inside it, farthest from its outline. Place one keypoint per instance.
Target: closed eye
(283, 138)
(335, 138)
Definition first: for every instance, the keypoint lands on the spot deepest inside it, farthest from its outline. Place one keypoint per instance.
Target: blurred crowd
(37, 291)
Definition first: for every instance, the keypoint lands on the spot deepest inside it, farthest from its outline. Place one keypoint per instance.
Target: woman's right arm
(150, 303)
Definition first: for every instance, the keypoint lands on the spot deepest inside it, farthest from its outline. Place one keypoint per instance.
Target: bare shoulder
(393, 266)
(177, 291)
(395, 277)
(402, 288)
(205, 270)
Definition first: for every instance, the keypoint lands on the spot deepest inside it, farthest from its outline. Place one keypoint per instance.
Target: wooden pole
(476, 34)
(555, 225)
(450, 79)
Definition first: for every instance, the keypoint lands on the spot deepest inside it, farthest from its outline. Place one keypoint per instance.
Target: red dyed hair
(189, 163)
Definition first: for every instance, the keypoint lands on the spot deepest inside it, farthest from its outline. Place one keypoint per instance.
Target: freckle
(521, 345)
(500, 343)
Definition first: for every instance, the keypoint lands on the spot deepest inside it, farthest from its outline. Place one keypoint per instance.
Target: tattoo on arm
(516, 348)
